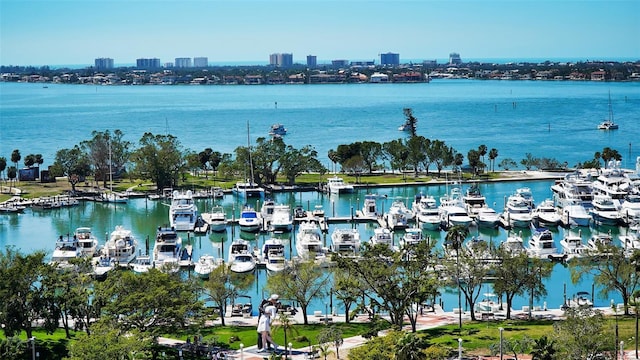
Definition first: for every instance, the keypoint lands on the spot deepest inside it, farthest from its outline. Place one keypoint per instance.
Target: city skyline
(35, 32)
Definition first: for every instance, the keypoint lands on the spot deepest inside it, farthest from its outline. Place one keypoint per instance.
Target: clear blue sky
(65, 32)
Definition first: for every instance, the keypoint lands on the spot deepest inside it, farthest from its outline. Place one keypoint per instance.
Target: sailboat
(608, 124)
(112, 197)
(248, 188)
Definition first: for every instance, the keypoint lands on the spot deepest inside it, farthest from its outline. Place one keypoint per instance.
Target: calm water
(548, 119)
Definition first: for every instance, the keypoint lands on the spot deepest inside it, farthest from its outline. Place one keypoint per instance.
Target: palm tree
(482, 150)
(493, 154)
(543, 349)
(286, 325)
(455, 237)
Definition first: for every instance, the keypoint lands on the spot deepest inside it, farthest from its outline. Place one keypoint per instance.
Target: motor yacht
(452, 211)
(514, 244)
(370, 207)
(487, 217)
(183, 213)
(630, 209)
(542, 245)
(526, 194)
(249, 220)
(336, 185)
(630, 242)
(575, 214)
(266, 210)
(473, 200)
(248, 189)
(345, 241)
(122, 246)
(282, 220)
(67, 248)
(273, 255)
(277, 130)
(572, 245)
(517, 212)
(397, 217)
(574, 188)
(605, 211)
(205, 265)
(216, 218)
(412, 237)
(612, 181)
(241, 259)
(86, 241)
(167, 249)
(598, 244)
(142, 264)
(383, 236)
(309, 241)
(426, 212)
(545, 214)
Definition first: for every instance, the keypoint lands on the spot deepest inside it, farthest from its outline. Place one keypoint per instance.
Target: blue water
(547, 119)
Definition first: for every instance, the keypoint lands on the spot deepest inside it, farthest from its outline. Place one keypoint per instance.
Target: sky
(67, 32)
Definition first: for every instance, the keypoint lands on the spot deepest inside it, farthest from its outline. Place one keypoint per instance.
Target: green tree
(224, 286)
(543, 349)
(482, 151)
(473, 156)
(69, 162)
(612, 271)
(152, 303)
(302, 281)
(508, 164)
(396, 152)
(410, 347)
(297, 161)
(355, 165)
(608, 154)
(331, 335)
(411, 120)
(371, 153)
(12, 173)
(3, 165)
(107, 153)
(159, 158)
(108, 342)
(21, 291)
(377, 348)
(493, 154)
(15, 157)
(529, 161)
(417, 147)
(29, 160)
(582, 335)
(347, 289)
(203, 159)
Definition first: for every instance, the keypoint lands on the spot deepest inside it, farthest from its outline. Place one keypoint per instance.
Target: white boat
(575, 214)
(167, 249)
(370, 207)
(598, 244)
(608, 124)
(336, 185)
(478, 248)
(526, 194)
(216, 218)
(580, 299)
(273, 255)
(630, 242)
(489, 304)
(282, 220)
(67, 249)
(241, 258)
(487, 217)
(205, 265)
(217, 192)
(452, 210)
(121, 247)
(605, 211)
(114, 197)
(545, 214)
(87, 241)
(345, 241)
(277, 129)
(249, 220)
(514, 244)
(142, 264)
(426, 212)
(397, 217)
(473, 200)
(412, 237)
(266, 210)
(572, 245)
(309, 241)
(102, 265)
(542, 245)
(613, 181)
(630, 209)
(183, 213)
(575, 187)
(318, 212)
(383, 236)
(517, 212)
(247, 190)
(405, 127)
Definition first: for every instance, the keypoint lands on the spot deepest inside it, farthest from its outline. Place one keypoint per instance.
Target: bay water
(547, 119)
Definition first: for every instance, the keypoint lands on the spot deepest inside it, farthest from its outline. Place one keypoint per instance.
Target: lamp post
(32, 340)
(459, 349)
(241, 351)
(180, 354)
(501, 330)
(622, 350)
(290, 349)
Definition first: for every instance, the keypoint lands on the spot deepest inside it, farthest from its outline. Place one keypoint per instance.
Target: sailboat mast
(110, 169)
(249, 149)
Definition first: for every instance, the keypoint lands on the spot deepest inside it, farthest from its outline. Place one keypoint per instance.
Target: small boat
(406, 126)
(217, 192)
(67, 249)
(166, 250)
(299, 212)
(204, 266)
(102, 265)
(87, 241)
(412, 237)
(277, 129)
(486, 217)
(114, 197)
(249, 220)
(142, 264)
(183, 213)
(489, 304)
(266, 210)
(370, 207)
(345, 241)
(382, 236)
(216, 219)
(580, 299)
(318, 212)
(241, 258)
(608, 124)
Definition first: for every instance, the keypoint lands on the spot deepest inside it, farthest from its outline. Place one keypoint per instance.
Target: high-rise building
(454, 59)
(148, 63)
(340, 63)
(200, 62)
(183, 63)
(312, 61)
(391, 59)
(281, 60)
(103, 63)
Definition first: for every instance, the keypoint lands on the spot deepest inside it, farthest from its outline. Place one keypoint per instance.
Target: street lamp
(622, 350)
(290, 349)
(501, 330)
(32, 340)
(459, 349)
(241, 351)
(180, 354)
